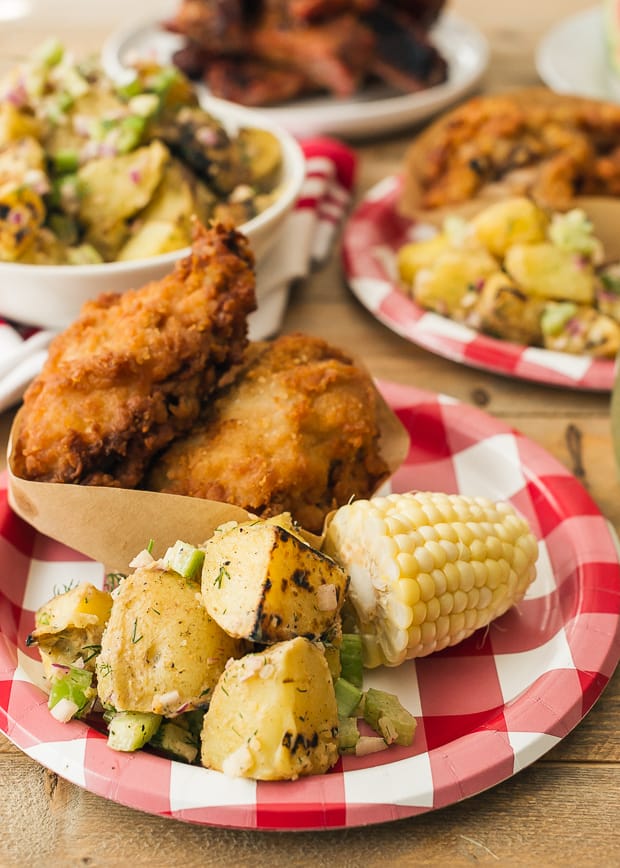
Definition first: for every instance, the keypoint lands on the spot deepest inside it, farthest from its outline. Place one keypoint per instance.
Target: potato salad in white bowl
(100, 180)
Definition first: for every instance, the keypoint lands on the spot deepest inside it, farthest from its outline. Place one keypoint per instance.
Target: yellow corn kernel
(427, 569)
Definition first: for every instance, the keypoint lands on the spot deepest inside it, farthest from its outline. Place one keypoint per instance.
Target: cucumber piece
(130, 730)
(348, 697)
(192, 720)
(348, 734)
(332, 655)
(66, 161)
(175, 741)
(76, 686)
(384, 713)
(351, 660)
(185, 559)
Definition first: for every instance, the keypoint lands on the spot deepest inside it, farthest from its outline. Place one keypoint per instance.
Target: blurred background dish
(573, 57)
(50, 296)
(376, 110)
(372, 237)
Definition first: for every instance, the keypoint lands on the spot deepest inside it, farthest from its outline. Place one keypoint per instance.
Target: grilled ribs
(269, 51)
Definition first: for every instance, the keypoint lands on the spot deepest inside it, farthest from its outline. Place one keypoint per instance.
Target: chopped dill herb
(94, 650)
(223, 574)
(134, 637)
(113, 580)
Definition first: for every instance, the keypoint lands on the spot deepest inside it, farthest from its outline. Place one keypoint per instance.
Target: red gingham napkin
(305, 243)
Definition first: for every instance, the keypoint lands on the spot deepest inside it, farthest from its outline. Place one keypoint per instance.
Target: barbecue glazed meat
(404, 56)
(324, 45)
(220, 23)
(295, 432)
(131, 373)
(254, 82)
(551, 147)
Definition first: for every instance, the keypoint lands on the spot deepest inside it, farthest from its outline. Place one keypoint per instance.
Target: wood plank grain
(528, 819)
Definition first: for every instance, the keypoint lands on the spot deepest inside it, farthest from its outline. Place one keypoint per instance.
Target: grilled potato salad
(259, 673)
(94, 171)
(520, 273)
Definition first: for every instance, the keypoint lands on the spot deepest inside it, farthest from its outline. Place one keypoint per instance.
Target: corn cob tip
(427, 569)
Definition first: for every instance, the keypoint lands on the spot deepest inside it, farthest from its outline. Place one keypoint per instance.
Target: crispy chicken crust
(533, 142)
(295, 431)
(131, 373)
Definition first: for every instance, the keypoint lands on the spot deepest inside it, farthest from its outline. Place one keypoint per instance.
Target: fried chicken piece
(132, 371)
(296, 431)
(533, 142)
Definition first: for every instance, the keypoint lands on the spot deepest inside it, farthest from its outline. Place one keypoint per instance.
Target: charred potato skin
(263, 583)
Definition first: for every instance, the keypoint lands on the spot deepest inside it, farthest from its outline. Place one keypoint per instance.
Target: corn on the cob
(427, 569)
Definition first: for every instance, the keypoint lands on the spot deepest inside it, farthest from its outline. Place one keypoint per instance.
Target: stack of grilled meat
(261, 52)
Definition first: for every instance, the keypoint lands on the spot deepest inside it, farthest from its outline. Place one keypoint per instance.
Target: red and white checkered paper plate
(485, 708)
(371, 238)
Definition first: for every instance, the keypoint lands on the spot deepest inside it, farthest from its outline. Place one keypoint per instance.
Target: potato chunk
(264, 583)
(161, 652)
(507, 312)
(273, 715)
(416, 255)
(549, 272)
(70, 626)
(114, 190)
(453, 275)
(165, 223)
(517, 220)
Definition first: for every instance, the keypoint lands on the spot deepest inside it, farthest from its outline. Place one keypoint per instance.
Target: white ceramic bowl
(50, 296)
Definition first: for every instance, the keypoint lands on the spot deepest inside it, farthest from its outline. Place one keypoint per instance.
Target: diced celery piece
(130, 133)
(348, 697)
(176, 741)
(574, 231)
(66, 161)
(384, 713)
(130, 730)
(74, 686)
(351, 661)
(83, 254)
(184, 559)
(348, 734)
(144, 105)
(610, 278)
(555, 316)
(130, 89)
(49, 54)
(163, 80)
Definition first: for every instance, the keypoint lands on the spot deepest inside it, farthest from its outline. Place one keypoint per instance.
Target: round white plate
(376, 110)
(572, 57)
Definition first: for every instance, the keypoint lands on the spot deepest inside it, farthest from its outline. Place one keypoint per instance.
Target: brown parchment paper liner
(112, 525)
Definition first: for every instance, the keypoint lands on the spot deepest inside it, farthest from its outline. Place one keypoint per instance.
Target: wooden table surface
(565, 808)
